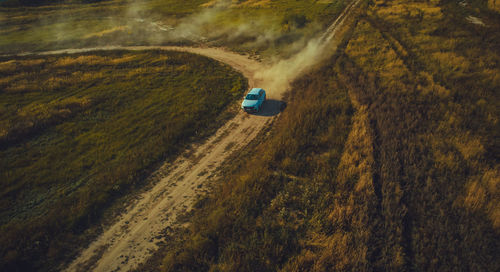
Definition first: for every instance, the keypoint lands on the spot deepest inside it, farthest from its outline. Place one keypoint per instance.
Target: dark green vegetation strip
(414, 186)
(78, 131)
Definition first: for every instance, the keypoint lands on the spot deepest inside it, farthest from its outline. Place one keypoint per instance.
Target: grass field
(272, 28)
(388, 161)
(271, 196)
(386, 157)
(79, 131)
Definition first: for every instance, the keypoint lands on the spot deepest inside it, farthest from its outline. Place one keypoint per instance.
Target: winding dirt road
(132, 238)
(135, 234)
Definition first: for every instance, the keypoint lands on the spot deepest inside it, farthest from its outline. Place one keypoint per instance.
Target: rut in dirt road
(134, 236)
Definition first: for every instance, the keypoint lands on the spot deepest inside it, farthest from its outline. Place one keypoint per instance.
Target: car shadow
(271, 107)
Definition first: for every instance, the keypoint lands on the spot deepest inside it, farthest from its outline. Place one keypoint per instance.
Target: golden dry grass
(81, 60)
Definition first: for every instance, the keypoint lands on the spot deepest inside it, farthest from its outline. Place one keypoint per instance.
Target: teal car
(253, 100)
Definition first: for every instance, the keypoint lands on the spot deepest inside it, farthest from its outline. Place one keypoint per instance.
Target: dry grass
(81, 60)
(413, 186)
(107, 32)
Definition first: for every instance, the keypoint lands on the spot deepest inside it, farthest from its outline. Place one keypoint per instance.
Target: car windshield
(252, 97)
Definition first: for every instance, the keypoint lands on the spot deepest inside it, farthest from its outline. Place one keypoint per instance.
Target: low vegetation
(388, 160)
(79, 131)
(274, 29)
(266, 27)
(258, 219)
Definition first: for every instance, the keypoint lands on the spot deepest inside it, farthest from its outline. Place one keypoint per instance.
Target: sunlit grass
(413, 186)
(264, 27)
(78, 131)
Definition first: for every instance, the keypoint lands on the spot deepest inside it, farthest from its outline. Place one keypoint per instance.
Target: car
(253, 100)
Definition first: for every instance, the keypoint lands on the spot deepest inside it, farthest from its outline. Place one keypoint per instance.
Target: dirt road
(134, 236)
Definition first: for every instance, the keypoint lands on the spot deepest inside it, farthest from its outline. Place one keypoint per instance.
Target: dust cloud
(216, 23)
(282, 71)
(301, 54)
(290, 52)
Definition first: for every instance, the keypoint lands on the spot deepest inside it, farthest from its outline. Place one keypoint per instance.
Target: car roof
(255, 91)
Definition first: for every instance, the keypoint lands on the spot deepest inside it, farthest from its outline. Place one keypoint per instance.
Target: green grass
(172, 7)
(268, 28)
(56, 26)
(271, 28)
(79, 131)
